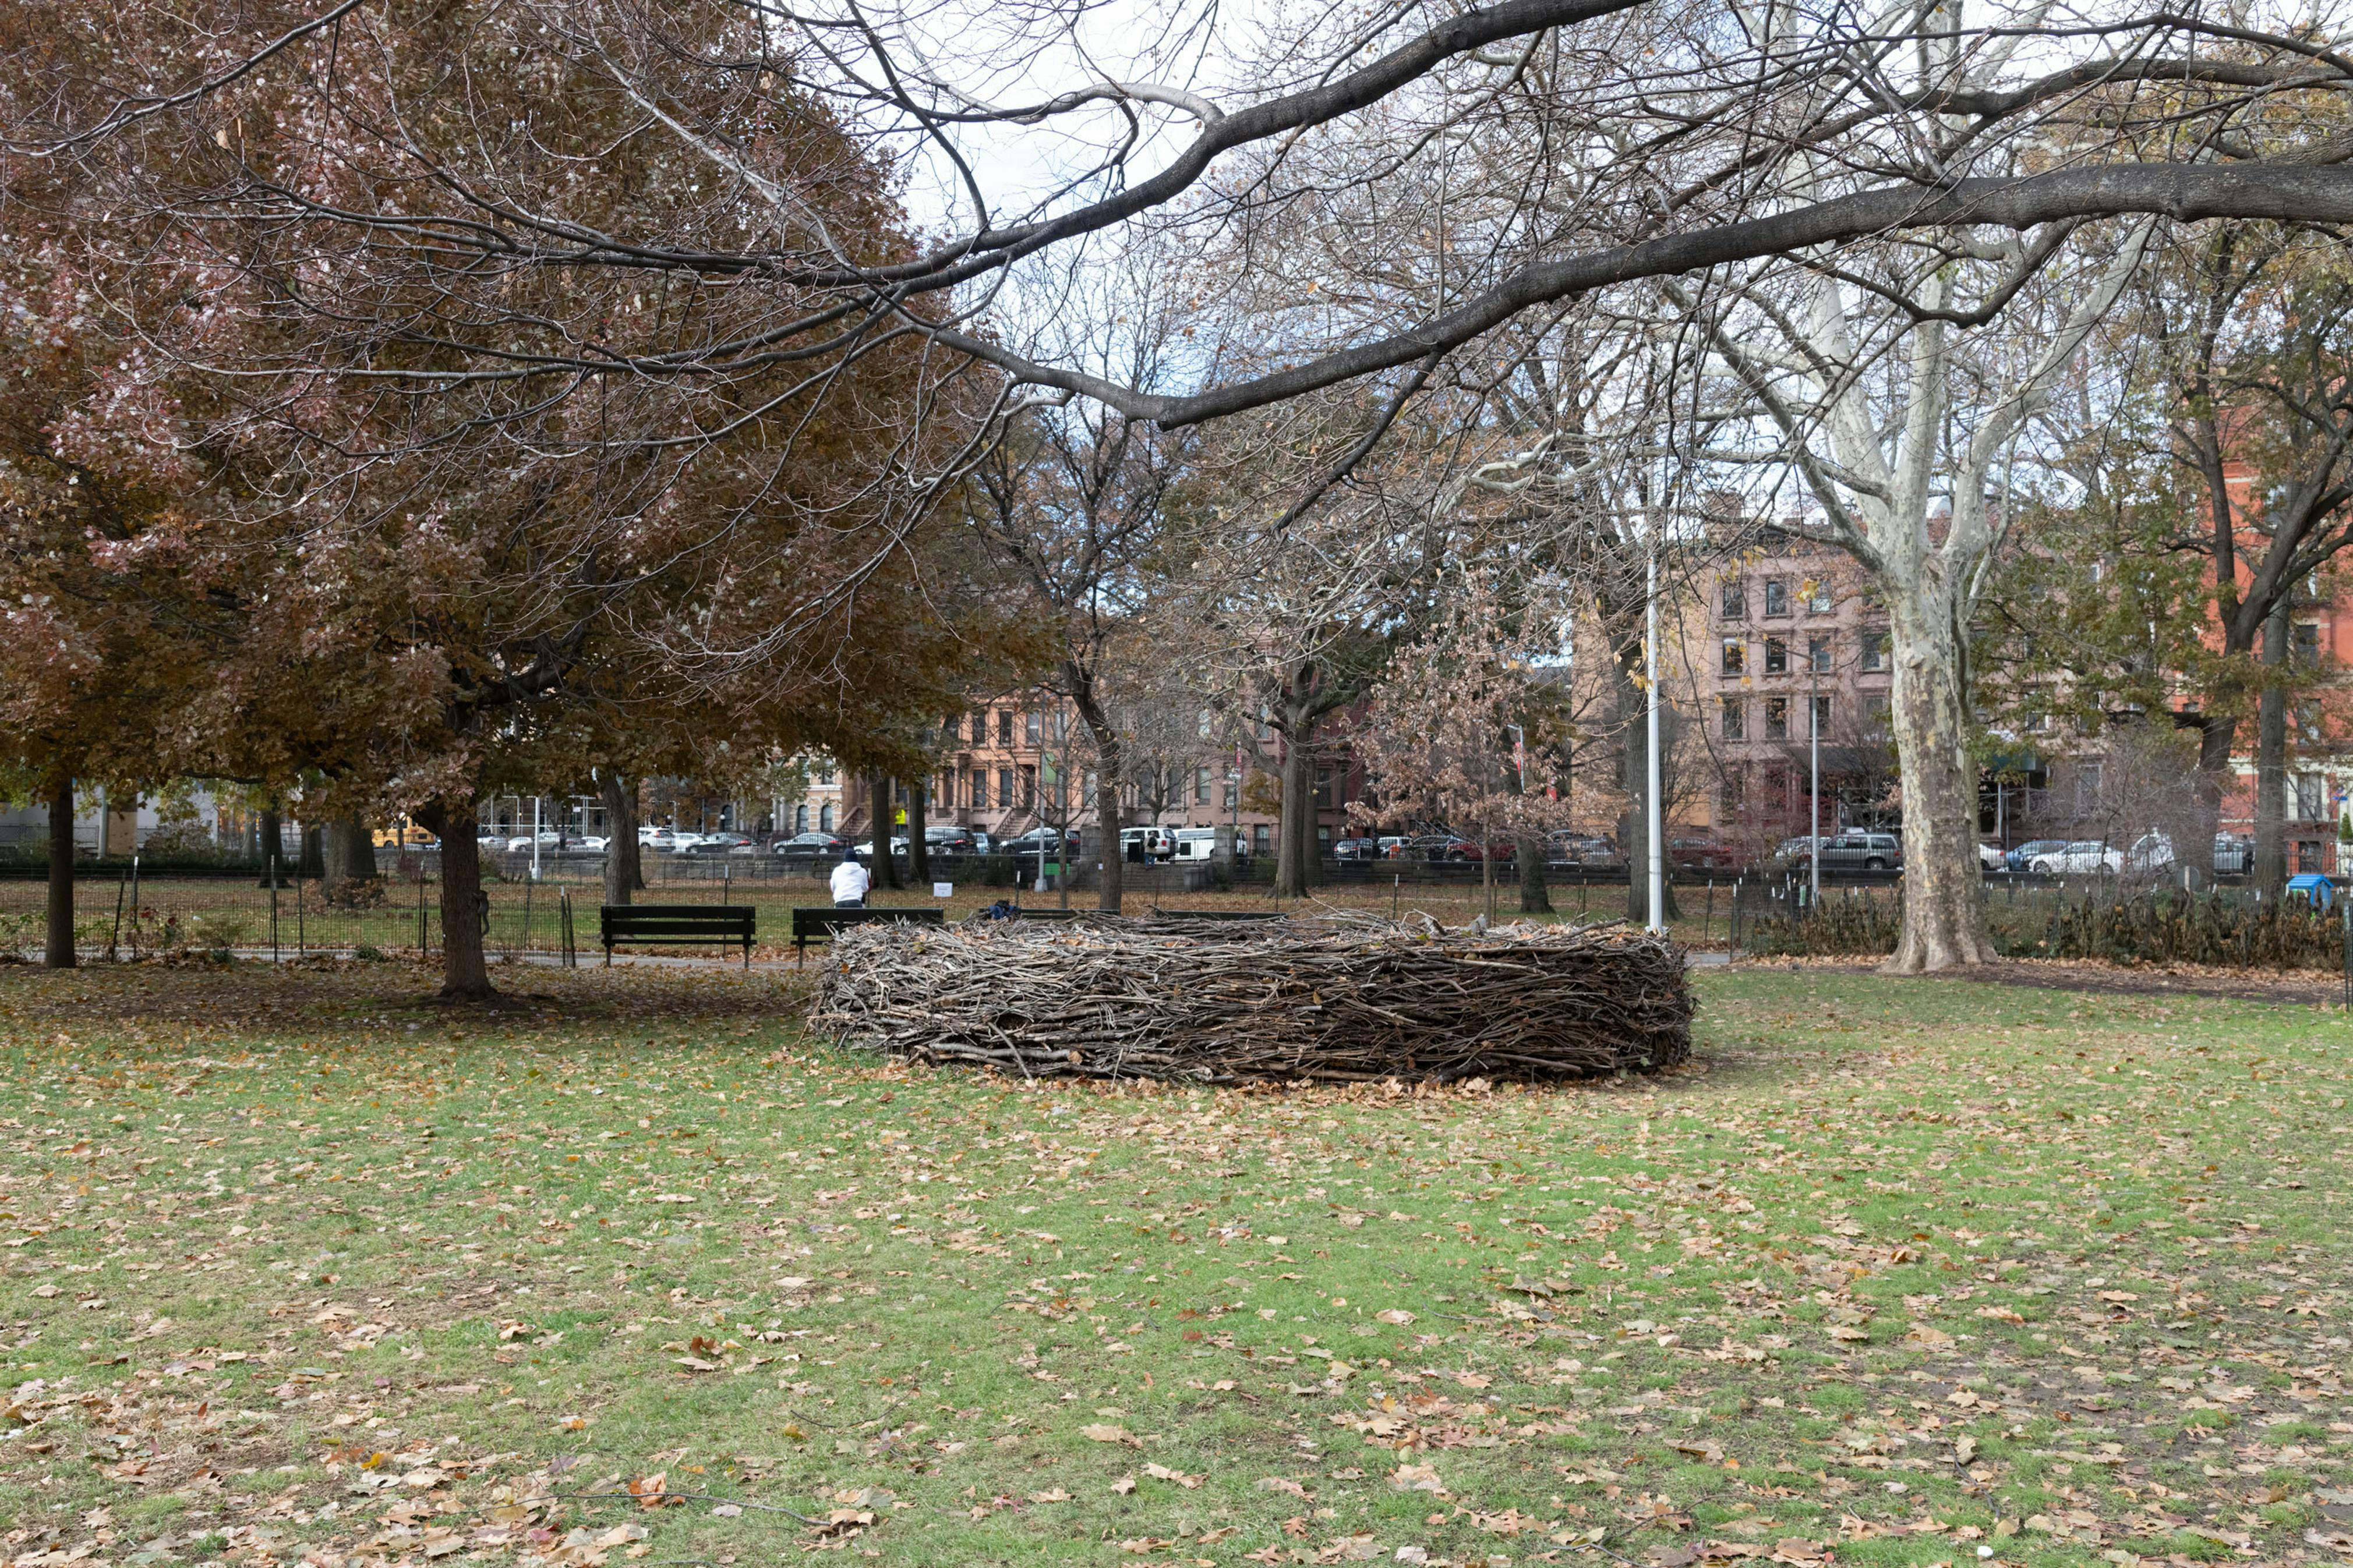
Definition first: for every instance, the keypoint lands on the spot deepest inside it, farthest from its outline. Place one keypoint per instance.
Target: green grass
(2061, 1276)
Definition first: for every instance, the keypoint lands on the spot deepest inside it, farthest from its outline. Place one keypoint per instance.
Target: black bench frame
(677, 925)
(819, 922)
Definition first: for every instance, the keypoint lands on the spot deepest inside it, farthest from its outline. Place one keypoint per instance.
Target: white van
(1159, 842)
(1201, 844)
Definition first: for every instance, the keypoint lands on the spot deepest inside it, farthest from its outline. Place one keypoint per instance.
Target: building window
(1028, 786)
(2307, 856)
(1736, 789)
(1201, 787)
(1874, 712)
(2304, 644)
(948, 729)
(1005, 726)
(2087, 787)
(1776, 718)
(1260, 842)
(2311, 797)
(1818, 596)
(1233, 790)
(800, 819)
(1817, 654)
(1032, 729)
(1735, 719)
(1777, 596)
(980, 789)
(1776, 657)
(825, 776)
(825, 818)
(980, 728)
(1736, 656)
(1734, 601)
(1874, 650)
(1005, 789)
(1821, 714)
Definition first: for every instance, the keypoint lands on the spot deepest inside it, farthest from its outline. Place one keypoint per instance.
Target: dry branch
(1334, 1000)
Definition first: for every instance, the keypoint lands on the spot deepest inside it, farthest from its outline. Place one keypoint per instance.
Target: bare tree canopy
(1678, 137)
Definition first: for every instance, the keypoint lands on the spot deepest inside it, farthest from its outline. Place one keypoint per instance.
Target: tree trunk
(885, 869)
(2271, 758)
(621, 873)
(1535, 899)
(1294, 861)
(465, 973)
(312, 858)
(59, 950)
(1111, 764)
(2216, 735)
(351, 853)
(1944, 890)
(919, 849)
(273, 842)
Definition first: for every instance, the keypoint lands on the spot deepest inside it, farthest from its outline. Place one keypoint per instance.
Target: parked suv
(1849, 851)
(2084, 855)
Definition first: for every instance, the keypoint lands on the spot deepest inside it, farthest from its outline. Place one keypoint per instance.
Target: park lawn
(297, 1265)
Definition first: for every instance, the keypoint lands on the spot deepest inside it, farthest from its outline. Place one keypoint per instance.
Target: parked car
(718, 844)
(2152, 851)
(1356, 849)
(1201, 844)
(2022, 859)
(2081, 857)
(949, 840)
(812, 847)
(548, 839)
(1849, 851)
(1592, 851)
(595, 844)
(1992, 858)
(1701, 855)
(1437, 848)
(1037, 839)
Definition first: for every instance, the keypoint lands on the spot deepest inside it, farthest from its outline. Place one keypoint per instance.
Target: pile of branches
(1334, 1000)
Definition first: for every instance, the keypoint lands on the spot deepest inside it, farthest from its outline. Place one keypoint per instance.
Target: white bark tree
(1884, 407)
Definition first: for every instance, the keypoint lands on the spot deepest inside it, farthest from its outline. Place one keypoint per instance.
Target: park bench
(677, 925)
(819, 922)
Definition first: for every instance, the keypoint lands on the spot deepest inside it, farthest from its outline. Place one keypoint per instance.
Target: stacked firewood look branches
(1330, 999)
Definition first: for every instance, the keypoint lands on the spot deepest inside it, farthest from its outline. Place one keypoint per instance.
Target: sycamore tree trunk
(1944, 890)
(311, 863)
(2271, 760)
(621, 875)
(465, 973)
(58, 950)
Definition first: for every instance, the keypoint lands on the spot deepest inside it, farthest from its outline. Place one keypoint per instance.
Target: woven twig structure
(1332, 1000)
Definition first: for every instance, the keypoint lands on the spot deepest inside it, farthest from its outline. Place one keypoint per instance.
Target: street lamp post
(1652, 813)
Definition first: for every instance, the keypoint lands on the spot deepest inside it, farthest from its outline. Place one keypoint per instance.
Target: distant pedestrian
(849, 885)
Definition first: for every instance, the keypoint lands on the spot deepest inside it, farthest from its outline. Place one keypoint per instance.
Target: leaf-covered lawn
(298, 1266)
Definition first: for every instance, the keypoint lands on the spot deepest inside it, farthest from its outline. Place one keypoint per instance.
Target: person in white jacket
(851, 882)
